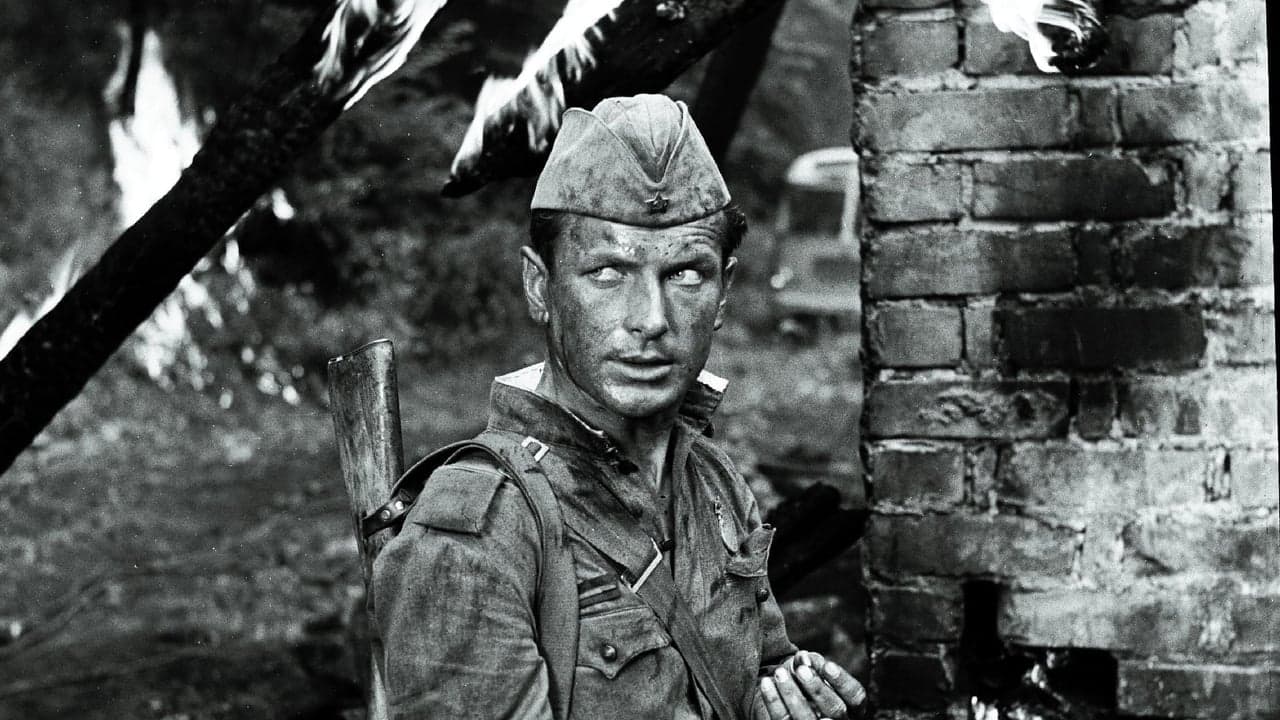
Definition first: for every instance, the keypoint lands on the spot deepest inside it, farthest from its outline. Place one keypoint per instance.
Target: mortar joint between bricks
(1074, 120)
(1217, 484)
(1077, 554)
(1234, 158)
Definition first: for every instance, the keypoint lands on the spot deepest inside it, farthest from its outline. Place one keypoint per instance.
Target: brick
(915, 336)
(917, 474)
(966, 120)
(1139, 46)
(962, 544)
(1197, 45)
(982, 409)
(910, 48)
(1222, 692)
(1097, 111)
(1170, 257)
(1143, 620)
(1095, 408)
(1193, 113)
(1223, 33)
(987, 51)
(1189, 543)
(1096, 478)
(1101, 337)
(907, 193)
(1240, 405)
(1160, 406)
(905, 614)
(982, 468)
(1251, 182)
(1256, 619)
(1244, 337)
(1255, 479)
(1093, 253)
(1072, 189)
(915, 680)
(1206, 177)
(979, 334)
(1243, 36)
(957, 262)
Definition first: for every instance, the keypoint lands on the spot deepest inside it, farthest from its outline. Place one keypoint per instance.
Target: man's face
(630, 311)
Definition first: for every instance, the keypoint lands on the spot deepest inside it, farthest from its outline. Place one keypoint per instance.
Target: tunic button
(608, 652)
(762, 593)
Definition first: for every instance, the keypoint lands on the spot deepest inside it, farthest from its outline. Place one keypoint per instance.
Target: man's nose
(647, 309)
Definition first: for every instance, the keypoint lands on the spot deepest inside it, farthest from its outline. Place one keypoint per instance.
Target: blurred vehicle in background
(815, 264)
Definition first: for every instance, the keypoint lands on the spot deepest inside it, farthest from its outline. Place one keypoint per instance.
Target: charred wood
(246, 152)
(640, 46)
(809, 531)
(731, 76)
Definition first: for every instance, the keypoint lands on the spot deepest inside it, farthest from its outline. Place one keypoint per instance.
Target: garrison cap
(634, 160)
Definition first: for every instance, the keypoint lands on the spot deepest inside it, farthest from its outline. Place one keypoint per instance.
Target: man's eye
(605, 275)
(687, 276)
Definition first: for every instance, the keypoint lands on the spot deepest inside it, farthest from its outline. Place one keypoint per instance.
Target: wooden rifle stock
(366, 419)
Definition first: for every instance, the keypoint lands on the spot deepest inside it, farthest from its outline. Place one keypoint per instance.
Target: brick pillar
(1070, 417)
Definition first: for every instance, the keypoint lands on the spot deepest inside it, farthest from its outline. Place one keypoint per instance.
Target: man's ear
(534, 274)
(727, 276)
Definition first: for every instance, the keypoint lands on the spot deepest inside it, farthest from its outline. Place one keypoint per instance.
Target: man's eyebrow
(615, 255)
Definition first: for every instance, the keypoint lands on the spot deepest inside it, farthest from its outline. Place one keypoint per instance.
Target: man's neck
(644, 440)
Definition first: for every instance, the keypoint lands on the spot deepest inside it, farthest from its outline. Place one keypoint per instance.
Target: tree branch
(245, 153)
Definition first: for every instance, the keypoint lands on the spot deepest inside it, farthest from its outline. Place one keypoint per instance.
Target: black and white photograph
(637, 359)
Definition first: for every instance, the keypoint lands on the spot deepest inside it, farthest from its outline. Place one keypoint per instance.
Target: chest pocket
(751, 558)
(747, 567)
(608, 642)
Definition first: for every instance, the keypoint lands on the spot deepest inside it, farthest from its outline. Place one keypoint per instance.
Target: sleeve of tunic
(455, 610)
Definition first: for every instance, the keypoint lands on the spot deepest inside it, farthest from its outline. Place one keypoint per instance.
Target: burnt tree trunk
(641, 47)
(731, 76)
(811, 530)
(246, 152)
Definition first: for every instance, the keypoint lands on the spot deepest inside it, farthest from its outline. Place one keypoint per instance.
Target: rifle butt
(365, 404)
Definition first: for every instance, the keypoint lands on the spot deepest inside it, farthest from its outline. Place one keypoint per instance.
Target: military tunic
(457, 609)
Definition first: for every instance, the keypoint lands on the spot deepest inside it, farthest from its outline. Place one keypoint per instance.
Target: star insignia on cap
(657, 204)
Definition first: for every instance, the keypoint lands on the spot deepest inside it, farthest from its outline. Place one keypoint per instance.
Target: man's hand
(809, 687)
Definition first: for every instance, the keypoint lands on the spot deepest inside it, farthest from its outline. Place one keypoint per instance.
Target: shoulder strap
(557, 597)
(557, 589)
(406, 490)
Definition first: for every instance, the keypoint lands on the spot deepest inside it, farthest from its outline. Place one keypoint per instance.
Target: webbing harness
(526, 463)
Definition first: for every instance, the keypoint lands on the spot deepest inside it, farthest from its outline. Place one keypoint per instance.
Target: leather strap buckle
(540, 452)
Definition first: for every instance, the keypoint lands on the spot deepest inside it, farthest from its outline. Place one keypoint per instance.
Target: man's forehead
(592, 235)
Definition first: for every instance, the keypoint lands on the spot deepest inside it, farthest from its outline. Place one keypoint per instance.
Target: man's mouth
(645, 368)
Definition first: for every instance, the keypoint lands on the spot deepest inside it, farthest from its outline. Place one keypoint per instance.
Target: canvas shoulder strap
(557, 590)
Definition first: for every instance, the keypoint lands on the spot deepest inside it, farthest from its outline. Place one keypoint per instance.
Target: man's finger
(792, 696)
(772, 700)
(845, 685)
(824, 698)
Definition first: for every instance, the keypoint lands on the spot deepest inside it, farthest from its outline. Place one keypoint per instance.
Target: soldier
(669, 611)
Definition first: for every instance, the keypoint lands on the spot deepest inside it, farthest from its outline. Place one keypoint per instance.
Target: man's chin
(641, 403)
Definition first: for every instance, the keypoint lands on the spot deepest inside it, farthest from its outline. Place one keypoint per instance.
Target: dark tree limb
(731, 76)
(138, 15)
(810, 530)
(246, 152)
(640, 47)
